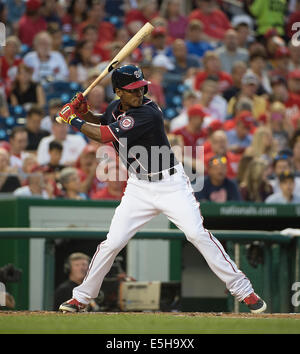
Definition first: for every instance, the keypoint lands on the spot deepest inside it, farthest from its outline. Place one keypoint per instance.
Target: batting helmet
(129, 77)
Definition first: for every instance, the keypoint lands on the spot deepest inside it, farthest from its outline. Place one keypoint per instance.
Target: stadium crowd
(225, 73)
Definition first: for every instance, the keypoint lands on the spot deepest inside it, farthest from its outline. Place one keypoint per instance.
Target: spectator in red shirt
(90, 34)
(31, 22)
(214, 20)
(212, 69)
(294, 89)
(136, 18)
(116, 181)
(10, 61)
(86, 166)
(96, 14)
(193, 135)
(219, 146)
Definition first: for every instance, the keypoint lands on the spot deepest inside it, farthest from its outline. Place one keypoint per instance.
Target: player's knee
(116, 246)
(194, 234)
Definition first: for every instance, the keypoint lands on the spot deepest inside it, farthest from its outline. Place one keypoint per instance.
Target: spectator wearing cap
(31, 23)
(194, 39)
(240, 137)
(73, 144)
(193, 133)
(239, 68)
(176, 20)
(212, 69)
(287, 193)
(217, 186)
(272, 41)
(215, 21)
(189, 99)
(33, 127)
(229, 52)
(218, 145)
(158, 46)
(47, 65)
(255, 186)
(279, 88)
(243, 24)
(280, 63)
(268, 16)
(282, 162)
(250, 84)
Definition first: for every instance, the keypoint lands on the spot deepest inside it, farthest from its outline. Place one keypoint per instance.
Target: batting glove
(79, 104)
(68, 115)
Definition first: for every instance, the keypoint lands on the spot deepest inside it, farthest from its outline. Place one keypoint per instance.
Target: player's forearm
(92, 131)
(91, 117)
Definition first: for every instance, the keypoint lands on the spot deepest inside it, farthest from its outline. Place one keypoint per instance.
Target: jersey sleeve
(133, 125)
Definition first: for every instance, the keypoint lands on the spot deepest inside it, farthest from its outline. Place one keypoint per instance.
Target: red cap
(295, 74)
(271, 33)
(246, 117)
(214, 125)
(196, 110)
(33, 5)
(159, 31)
(282, 52)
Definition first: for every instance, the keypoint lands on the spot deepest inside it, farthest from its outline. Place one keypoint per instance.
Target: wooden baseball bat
(133, 43)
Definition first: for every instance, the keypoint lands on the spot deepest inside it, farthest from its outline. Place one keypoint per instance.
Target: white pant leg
(134, 211)
(183, 210)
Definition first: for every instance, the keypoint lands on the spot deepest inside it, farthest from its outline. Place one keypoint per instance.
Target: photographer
(75, 267)
(9, 274)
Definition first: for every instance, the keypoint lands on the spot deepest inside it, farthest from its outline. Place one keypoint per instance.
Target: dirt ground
(191, 314)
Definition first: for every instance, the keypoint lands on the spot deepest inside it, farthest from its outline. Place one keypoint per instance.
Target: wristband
(77, 123)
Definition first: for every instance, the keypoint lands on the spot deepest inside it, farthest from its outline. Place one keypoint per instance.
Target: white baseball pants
(143, 200)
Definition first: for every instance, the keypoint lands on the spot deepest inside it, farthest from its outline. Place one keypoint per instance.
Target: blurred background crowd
(225, 73)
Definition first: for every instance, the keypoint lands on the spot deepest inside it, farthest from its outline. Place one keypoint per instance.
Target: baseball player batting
(154, 186)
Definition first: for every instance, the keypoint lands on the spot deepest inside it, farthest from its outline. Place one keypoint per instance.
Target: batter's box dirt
(180, 314)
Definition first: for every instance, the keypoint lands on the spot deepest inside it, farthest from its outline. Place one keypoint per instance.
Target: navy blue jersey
(141, 141)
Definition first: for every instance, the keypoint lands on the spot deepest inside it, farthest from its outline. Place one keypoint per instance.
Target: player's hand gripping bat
(133, 43)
